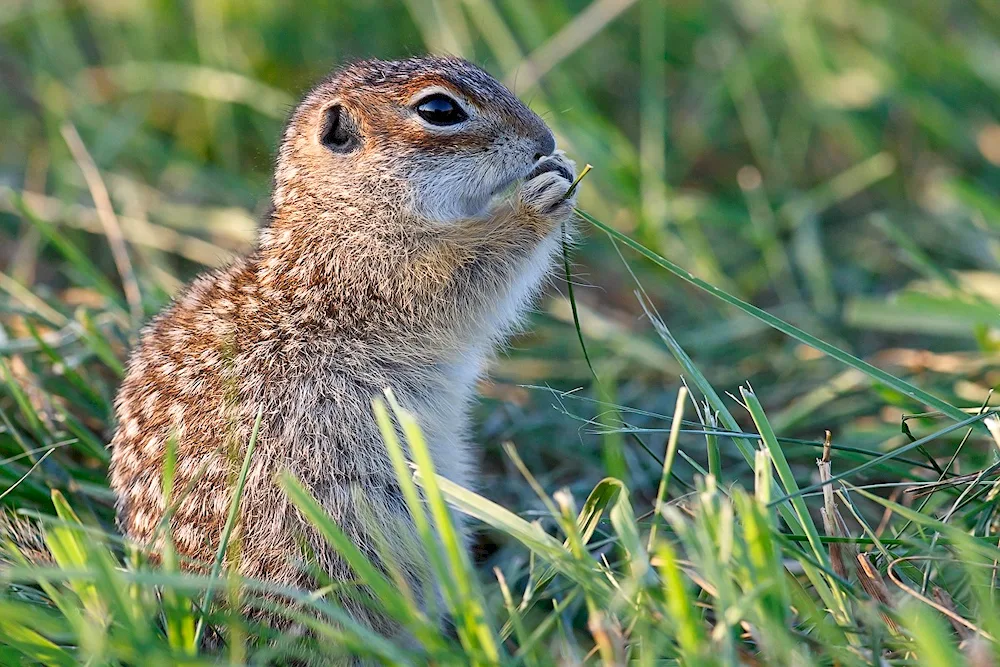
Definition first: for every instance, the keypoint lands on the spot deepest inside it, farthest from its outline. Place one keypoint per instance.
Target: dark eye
(440, 110)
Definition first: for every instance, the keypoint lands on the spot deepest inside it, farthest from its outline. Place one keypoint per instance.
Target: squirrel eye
(440, 109)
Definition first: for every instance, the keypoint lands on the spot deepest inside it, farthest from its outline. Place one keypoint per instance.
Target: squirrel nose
(546, 145)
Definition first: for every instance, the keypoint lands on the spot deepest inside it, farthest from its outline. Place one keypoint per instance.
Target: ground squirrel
(415, 213)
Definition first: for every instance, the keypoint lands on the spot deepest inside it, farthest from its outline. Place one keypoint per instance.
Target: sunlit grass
(794, 209)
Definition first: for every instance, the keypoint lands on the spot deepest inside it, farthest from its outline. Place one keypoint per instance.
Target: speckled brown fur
(392, 265)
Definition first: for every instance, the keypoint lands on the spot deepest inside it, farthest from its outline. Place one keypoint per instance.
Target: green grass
(794, 210)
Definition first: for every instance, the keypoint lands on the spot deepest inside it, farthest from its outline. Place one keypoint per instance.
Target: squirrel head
(429, 140)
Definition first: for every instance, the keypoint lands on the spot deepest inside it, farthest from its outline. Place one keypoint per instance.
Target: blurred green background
(834, 162)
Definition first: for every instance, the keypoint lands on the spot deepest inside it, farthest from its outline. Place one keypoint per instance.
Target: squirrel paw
(546, 186)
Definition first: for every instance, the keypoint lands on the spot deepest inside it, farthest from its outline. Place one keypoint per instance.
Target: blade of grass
(884, 457)
(227, 530)
(190, 583)
(600, 498)
(76, 257)
(529, 534)
(742, 444)
(668, 463)
(23, 403)
(37, 463)
(690, 635)
(787, 477)
(569, 276)
(16, 621)
(885, 378)
(178, 616)
(106, 214)
(392, 601)
(934, 646)
(473, 615)
(414, 502)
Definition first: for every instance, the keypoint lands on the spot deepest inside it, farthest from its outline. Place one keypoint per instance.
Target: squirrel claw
(548, 183)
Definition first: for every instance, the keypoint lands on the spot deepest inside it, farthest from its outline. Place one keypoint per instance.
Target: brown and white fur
(397, 256)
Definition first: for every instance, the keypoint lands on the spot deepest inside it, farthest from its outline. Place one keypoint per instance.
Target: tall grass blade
(227, 530)
(878, 374)
(472, 617)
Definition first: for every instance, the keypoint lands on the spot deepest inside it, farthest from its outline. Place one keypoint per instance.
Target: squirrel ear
(338, 132)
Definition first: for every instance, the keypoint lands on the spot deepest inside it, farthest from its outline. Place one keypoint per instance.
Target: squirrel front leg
(506, 257)
(540, 207)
